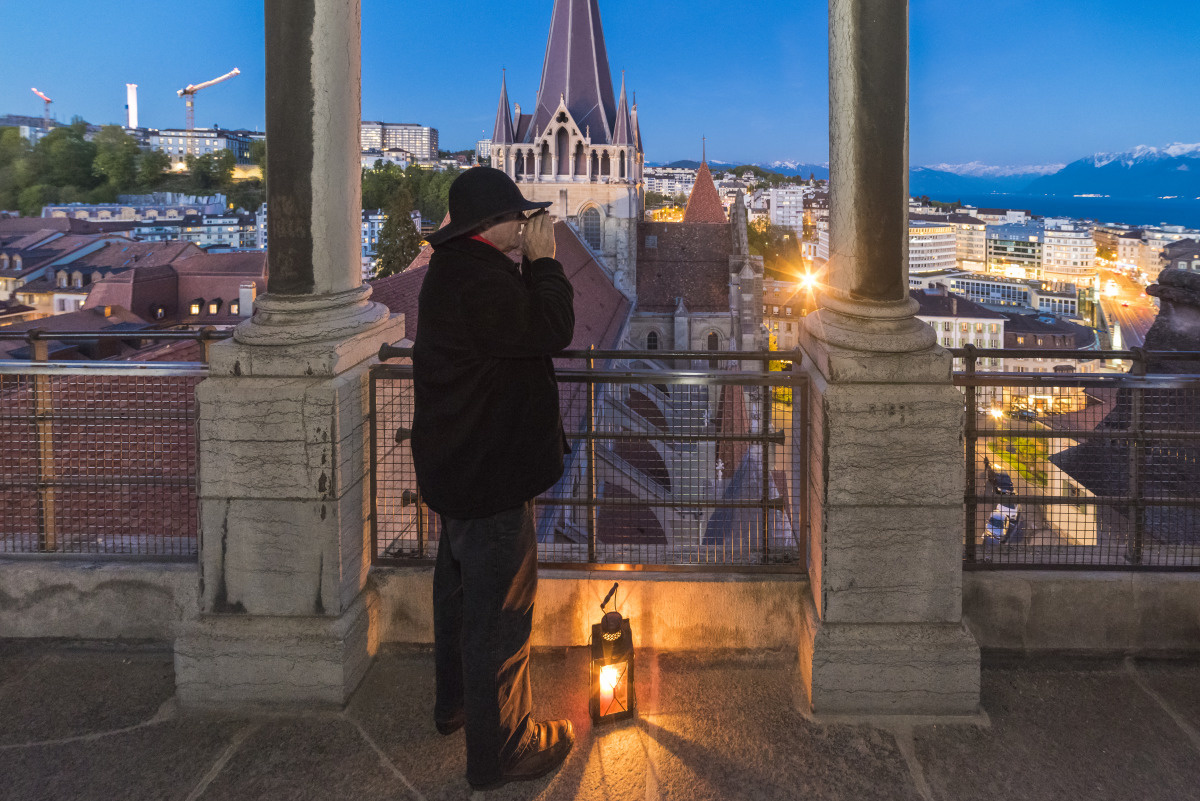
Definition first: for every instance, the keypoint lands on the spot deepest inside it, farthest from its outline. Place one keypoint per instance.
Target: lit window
(214, 307)
(194, 309)
(235, 307)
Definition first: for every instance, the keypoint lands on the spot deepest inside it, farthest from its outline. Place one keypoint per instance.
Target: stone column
(284, 489)
(883, 628)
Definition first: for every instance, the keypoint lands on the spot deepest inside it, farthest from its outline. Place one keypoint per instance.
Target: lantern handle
(604, 603)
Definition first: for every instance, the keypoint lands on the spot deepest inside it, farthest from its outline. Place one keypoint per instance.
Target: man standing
(487, 439)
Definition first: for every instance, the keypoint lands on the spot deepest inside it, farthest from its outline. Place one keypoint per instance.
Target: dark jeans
(483, 590)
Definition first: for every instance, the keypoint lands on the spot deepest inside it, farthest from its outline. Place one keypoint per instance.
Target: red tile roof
(704, 205)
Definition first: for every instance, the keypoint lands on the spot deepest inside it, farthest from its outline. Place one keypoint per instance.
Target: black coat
(487, 432)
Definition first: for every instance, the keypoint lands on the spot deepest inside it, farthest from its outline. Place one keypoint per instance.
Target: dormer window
(235, 307)
(77, 280)
(159, 312)
(4, 261)
(62, 279)
(194, 309)
(214, 307)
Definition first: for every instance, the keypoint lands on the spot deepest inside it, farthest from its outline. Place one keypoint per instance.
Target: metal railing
(1077, 469)
(99, 457)
(673, 465)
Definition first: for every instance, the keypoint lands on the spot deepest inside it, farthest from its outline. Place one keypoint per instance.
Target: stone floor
(98, 722)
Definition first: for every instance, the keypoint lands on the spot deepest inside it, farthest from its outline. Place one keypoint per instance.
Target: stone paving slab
(1178, 682)
(161, 761)
(306, 759)
(72, 691)
(1061, 729)
(99, 724)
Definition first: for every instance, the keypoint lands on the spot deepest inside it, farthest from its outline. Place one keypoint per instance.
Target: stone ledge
(96, 599)
(671, 611)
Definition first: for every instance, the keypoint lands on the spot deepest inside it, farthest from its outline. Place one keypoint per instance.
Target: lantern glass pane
(614, 689)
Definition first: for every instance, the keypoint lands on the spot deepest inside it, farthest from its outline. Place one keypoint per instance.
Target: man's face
(506, 234)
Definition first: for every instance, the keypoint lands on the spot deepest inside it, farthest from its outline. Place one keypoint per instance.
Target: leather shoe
(544, 751)
(451, 724)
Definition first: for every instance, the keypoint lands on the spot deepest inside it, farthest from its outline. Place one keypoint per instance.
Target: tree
(258, 157)
(152, 165)
(63, 157)
(211, 170)
(116, 156)
(399, 240)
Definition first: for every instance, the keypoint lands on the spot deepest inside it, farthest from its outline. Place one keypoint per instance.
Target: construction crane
(189, 94)
(46, 111)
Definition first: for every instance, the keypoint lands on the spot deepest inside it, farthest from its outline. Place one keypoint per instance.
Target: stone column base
(247, 660)
(927, 669)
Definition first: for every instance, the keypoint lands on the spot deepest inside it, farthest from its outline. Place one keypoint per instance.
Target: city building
(1015, 250)
(931, 247)
(216, 289)
(483, 150)
(669, 181)
(1155, 242)
(159, 205)
(960, 322)
(785, 302)
(65, 287)
(1181, 255)
(229, 230)
(1129, 250)
(787, 206)
(1000, 216)
(581, 147)
(395, 155)
(30, 254)
(970, 238)
(419, 140)
(999, 293)
(372, 225)
(1069, 254)
(179, 143)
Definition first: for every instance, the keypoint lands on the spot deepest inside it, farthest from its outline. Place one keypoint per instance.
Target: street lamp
(612, 666)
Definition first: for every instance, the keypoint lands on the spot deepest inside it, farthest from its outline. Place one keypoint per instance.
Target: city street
(1130, 308)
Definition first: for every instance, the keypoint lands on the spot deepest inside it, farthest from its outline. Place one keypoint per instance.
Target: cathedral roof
(503, 133)
(576, 70)
(704, 205)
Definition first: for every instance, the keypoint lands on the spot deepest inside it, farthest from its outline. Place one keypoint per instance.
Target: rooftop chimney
(247, 292)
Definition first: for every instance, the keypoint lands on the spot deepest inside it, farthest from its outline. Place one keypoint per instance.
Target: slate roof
(949, 304)
(576, 69)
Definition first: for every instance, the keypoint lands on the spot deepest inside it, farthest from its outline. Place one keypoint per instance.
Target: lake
(1134, 211)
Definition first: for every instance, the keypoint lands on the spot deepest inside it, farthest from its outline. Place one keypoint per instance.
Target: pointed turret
(576, 69)
(622, 133)
(503, 135)
(704, 204)
(637, 129)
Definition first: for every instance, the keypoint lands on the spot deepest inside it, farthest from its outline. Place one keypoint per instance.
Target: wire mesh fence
(98, 459)
(1095, 468)
(686, 468)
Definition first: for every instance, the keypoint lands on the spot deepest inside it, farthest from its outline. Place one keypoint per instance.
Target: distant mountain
(945, 184)
(1142, 172)
(685, 164)
(799, 168)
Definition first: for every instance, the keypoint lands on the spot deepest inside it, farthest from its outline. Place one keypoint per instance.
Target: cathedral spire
(621, 132)
(503, 134)
(576, 68)
(704, 204)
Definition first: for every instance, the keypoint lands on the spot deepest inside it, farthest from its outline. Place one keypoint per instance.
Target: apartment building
(1068, 254)
(420, 140)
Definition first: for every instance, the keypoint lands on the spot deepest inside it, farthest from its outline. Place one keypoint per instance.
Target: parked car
(1001, 523)
(1002, 483)
(1028, 415)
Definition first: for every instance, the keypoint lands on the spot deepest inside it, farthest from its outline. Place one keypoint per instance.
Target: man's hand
(538, 242)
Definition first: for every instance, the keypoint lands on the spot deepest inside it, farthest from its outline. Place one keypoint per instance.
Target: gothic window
(714, 343)
(605, 165)
(589, 224)
(652, 340)
(621, 164)
(562, 144)
(547, 162)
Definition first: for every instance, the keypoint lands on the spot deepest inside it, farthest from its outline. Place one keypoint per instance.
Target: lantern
(612, 666)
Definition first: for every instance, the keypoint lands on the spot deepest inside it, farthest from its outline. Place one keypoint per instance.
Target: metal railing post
(1137, 458)
(43, 417)
(590, 460)
(765, 430)
(372, 418)
(970, 434)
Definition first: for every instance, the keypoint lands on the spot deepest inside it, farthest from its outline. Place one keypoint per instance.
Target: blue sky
(1006, 82)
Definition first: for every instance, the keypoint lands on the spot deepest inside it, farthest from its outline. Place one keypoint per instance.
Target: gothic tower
(581, 149)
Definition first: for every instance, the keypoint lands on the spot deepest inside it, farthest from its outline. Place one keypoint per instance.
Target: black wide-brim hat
(479, 196)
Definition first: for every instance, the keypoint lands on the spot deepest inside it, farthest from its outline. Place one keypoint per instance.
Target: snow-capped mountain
(977, 169)
(1142, 172)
